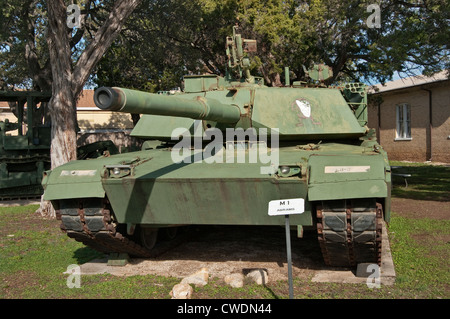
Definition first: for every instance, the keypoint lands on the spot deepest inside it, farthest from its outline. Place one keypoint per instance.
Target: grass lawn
(427, 182)
(34, 253)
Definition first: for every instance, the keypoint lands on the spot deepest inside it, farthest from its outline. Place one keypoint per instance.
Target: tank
(219, 150)
(24, 146)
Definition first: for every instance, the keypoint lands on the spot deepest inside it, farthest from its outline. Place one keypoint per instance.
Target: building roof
(409, 82)
(85, 102)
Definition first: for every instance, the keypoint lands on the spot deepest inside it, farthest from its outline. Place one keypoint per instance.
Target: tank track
(25, 159)
(90, 222)
(28, 192)
(349, 231)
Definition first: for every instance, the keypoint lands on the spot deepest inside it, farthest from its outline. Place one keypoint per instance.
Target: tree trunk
(62, 106)
(63, 134)
(68, 82)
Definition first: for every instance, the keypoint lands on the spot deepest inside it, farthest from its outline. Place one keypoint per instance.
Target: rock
(235, 280)
(181, 291)
(259, 276)
(199, 279)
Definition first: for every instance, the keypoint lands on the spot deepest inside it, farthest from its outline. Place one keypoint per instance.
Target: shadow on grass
(86, 254)
(427, 182)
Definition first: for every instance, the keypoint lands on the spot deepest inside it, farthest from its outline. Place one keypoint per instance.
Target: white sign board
(286, 206)
(346, 169)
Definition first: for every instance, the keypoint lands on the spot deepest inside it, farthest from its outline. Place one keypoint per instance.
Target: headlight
(289, 171)
(118, 171)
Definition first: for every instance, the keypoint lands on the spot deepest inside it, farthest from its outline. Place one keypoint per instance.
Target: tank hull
(153, 192)
(237, 193)
(201, 193)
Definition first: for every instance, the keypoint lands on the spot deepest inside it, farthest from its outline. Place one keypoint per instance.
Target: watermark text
(237, 146)
(74, 279)
(374, 20)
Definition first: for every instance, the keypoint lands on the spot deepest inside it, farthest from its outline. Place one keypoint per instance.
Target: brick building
(412, 118)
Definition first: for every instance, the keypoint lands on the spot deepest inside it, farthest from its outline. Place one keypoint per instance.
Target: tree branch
(101, 42)
(39, 75)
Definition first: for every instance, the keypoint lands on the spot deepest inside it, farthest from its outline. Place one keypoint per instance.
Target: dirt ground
(420, 208)
(229, 249)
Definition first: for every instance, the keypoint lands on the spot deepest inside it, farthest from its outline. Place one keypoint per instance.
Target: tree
(69, 77)
(188, 37)
(412, 35)
(24, 58)
(164, 40)
(39, 47)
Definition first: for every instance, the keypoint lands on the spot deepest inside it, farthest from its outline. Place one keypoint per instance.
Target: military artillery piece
(25, 155)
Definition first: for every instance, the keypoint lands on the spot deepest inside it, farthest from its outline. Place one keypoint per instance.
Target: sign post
(287, 207)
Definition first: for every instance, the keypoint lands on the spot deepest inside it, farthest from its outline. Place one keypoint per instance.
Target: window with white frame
(403, 128)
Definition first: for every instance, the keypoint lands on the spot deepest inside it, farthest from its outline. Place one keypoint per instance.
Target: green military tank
(24, 146)
(219, 151)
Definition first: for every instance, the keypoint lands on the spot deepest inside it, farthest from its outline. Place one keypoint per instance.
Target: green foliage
(166, 39)
(22, 37)
(24, 52)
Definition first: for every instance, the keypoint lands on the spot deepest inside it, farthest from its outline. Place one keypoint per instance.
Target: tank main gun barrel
(132, 101)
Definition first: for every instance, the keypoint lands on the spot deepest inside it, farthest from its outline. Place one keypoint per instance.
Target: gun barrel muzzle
(137, 102)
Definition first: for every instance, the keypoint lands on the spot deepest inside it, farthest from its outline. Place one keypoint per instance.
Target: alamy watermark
(73, 16)
(74, 279)
(374, 20)
(241, 146)
(373, 280)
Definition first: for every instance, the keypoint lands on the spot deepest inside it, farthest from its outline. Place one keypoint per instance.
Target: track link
(349, 231)
(90, 222)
